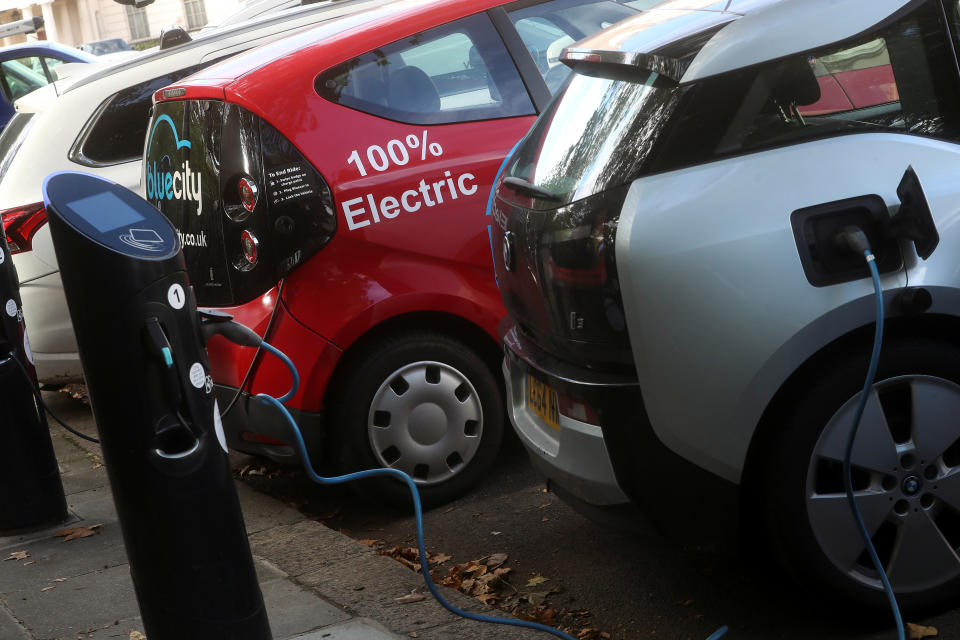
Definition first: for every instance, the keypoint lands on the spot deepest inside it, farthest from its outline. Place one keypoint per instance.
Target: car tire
(906, 478)
(425, 403)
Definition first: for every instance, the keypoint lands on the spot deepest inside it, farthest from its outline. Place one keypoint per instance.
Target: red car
(331, 189)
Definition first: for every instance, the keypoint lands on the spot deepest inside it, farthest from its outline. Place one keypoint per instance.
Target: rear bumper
(250, 421)
(574, 456)
(620, 461)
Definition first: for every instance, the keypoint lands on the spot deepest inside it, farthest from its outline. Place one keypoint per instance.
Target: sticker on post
(3, 256)
(26, 347)
(176, 296)
(11, 307)
(218, 426)
(197, 375)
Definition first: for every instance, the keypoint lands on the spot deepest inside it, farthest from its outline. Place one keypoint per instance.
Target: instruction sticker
(11, 307)
(218, 426)
(290, 182)
(176, 297)
(197, 375)
(26, 347)
(3, 256)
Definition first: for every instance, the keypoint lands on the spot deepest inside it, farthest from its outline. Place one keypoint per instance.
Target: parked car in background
(353, 162)
(97, 123)
(29, 66)
(102, 47)
(686, 333)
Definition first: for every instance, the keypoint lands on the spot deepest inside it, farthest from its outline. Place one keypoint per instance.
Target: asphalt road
(630, 585)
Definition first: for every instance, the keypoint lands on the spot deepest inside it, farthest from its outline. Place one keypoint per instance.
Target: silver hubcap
(426, 420)
(906, 478)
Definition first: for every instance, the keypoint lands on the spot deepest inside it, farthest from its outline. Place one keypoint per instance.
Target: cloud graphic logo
(173, 127)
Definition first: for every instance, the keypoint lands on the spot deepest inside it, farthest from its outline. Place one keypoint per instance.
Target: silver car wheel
(426, 420)
(906, 477)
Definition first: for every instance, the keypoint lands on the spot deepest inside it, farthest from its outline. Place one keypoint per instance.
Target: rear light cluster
(20, 225)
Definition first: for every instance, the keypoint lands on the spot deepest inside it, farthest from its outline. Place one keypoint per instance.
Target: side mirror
(173, 36)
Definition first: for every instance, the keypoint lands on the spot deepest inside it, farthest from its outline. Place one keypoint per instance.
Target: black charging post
(138, 333)
(32, 494)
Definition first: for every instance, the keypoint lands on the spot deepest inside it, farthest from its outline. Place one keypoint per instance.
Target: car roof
(345, 37)
(43, 47)
(737, 33)
(210, 40)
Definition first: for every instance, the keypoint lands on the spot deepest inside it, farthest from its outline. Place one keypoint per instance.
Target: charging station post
(138, 334)
(32, 494)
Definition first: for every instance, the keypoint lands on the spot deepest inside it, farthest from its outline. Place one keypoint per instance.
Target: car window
(51, 63)
(22, 76)
(548, 27)
(118, 128)
(454, 73)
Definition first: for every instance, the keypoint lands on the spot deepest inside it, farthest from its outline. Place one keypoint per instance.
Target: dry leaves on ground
(18, 555)
(74, 533)
(413, 596)
(918, 631)
(136, 635)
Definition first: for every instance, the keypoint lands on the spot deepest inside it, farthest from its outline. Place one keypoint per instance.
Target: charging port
(825, 261)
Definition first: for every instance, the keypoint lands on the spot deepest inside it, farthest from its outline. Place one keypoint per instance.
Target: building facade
(74, 22)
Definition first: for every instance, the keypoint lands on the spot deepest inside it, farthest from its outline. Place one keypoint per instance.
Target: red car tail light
(21, 224)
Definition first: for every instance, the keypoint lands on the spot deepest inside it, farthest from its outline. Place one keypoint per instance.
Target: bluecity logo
(172, 185)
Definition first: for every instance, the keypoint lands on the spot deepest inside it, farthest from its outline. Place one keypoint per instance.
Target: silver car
(686, 334)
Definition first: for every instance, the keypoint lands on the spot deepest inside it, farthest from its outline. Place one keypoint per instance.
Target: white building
(73, 22)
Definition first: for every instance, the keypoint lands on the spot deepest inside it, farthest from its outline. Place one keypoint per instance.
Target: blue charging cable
(301, 448)
(858, 414)
(399, 475)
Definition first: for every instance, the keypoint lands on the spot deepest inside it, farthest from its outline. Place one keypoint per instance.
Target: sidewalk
(317, 583)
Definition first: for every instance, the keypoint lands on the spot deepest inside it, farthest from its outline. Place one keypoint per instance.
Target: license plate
(542, 399)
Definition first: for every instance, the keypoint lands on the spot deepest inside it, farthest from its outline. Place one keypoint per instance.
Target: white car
(96, 122)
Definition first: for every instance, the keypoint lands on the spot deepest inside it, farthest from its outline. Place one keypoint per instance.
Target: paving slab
(318, 584)
(358, 629)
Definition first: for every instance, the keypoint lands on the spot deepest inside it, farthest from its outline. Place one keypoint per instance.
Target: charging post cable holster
(138, 333)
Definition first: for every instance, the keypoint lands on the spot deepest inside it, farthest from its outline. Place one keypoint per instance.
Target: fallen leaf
(536, 597)
(449, 509)
(414, 634)
(486, 598)
(59, 579)
(535, 580)
(18, 555)
(413, 596)
(371, 542)
(78, 532)
(495, 560)
(495, 533)
(918, 631)
(544, 505)
(47, 588)
(31, 562)
(545, 520)
(440, 558)
(136, 635)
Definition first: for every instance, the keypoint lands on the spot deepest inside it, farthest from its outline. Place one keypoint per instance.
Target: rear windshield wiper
(523, 187)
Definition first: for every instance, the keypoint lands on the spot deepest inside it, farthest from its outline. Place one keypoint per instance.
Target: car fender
(351, 287)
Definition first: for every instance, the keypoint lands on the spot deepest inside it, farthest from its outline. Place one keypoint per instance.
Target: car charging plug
(853, 238)
(218, 323)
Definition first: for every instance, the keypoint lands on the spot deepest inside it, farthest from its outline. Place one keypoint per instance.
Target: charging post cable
(856, 240)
